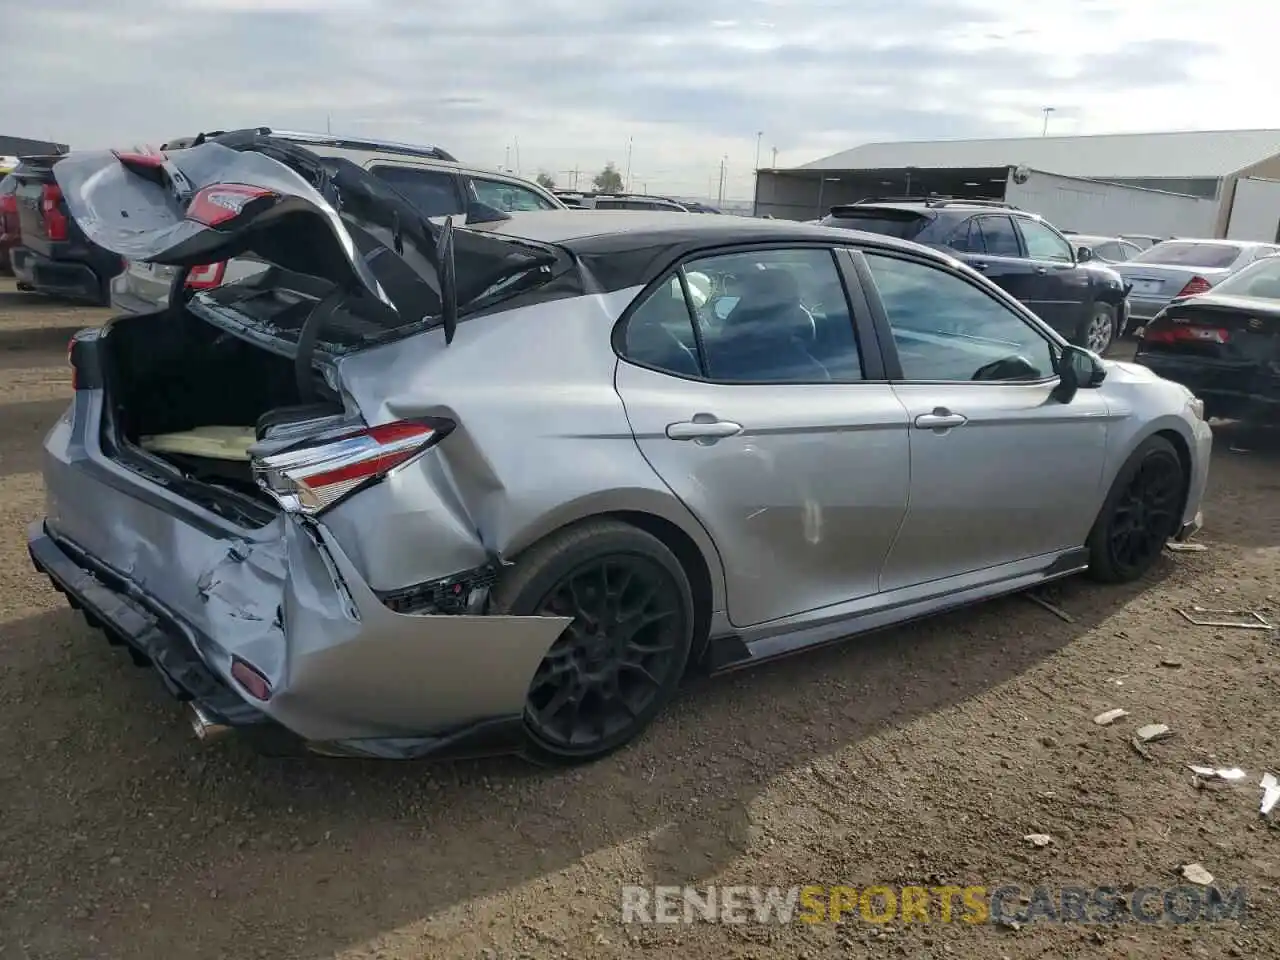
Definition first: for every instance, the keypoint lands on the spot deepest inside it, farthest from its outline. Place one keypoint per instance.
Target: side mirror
(1078, 369)
(1083, 255)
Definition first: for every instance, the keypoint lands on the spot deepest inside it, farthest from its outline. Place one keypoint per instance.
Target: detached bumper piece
(112, 604)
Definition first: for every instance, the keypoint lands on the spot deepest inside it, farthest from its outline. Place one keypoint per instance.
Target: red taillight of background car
(310, 478)
(215, 205)
(1185, 334)
(1196, 285)
(8, 204)
(207, 276)
(55, 221)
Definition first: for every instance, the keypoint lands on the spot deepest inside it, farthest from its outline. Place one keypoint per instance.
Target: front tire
(1099, 330)
(1140, 514)
(620, 660)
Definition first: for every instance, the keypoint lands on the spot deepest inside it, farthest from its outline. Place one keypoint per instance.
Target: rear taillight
(207, 276)
(55, 221)
(308, 479)
(215, 205)
(1196, 285)
(1185, 334)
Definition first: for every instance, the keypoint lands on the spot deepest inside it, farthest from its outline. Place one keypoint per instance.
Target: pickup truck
(51, 254)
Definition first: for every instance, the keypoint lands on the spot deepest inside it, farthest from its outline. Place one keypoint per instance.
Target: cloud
(565, 84)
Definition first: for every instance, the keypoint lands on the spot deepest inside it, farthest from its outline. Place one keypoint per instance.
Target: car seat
(767, 334)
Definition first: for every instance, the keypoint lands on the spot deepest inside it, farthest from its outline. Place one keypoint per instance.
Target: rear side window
(1185, 253)
(903, 224)
(768, 316)
(431, 191)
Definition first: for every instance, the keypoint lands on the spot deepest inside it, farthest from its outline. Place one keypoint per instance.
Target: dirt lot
(920, 756)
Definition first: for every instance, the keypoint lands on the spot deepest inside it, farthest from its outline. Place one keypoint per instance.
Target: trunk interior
(195, 396)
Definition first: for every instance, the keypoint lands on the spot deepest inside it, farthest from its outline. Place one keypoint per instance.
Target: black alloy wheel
(1141, 513)
(622, 654)
(614, 661)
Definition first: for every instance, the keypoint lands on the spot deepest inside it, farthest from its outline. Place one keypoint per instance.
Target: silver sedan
(422, 490)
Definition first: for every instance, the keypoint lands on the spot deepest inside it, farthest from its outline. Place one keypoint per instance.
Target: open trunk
(185, 392)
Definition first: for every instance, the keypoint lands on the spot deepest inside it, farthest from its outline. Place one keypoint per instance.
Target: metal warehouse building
(1218, 183)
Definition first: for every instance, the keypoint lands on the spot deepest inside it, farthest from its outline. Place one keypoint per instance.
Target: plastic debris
(1055, 610)
(1246, 619)
(1176, 547)
(1110, 717)
(1038, 839)
(1270, 793)
(1194, 873)
(1217, 773)
(1152, 732)
(1170, 662)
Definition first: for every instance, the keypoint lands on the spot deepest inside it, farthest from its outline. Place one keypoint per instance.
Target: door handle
(940, 419)
(1042, 270)
(704, 428)
(978, 264)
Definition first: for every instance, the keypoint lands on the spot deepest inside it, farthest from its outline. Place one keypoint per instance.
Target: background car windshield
(1188, 254)
(1260, 279)
(903, 226)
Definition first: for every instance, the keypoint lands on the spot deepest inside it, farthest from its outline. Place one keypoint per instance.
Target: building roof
(22, 147)
(1186, 154)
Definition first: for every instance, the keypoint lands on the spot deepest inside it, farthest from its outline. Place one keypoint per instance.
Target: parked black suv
(1017, 250)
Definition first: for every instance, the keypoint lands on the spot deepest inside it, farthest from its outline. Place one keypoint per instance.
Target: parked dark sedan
(1083, 301)
(1223, 345)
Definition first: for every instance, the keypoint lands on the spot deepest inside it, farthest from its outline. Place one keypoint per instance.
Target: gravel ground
(919, 756)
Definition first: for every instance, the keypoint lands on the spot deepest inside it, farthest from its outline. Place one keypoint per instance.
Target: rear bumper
(129, 615)
(1142, 309)
(1229, 390)
(68, 278)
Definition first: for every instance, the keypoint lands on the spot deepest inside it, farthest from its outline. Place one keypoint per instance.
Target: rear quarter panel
(542, 441)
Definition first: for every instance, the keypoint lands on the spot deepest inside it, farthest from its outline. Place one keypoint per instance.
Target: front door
(1000, 471)
(759, 412)
(1062, 287)
(998, 255)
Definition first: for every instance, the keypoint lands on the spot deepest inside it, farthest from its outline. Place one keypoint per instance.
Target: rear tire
(620, 660)
(1099, 329)
(1140, 514)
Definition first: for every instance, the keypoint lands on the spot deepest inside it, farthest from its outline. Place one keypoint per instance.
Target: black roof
(24, 147)
(627, 248)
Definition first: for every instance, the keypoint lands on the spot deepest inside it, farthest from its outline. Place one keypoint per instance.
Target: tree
(608, 180)
(545, 179)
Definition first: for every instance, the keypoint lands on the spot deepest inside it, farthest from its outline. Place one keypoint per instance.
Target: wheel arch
(658, 514)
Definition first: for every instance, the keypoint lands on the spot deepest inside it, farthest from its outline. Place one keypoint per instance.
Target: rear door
(1001, 473)
(775, 426)
(1002, 259)
(1061, 287)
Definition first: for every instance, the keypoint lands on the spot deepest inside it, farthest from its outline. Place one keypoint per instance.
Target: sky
(668, 90)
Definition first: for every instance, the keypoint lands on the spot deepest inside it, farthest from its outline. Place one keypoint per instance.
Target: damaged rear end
(211, 486)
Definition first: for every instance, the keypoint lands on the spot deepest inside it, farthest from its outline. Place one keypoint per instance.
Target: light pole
(1044, 131)
(822, 183)
(755, 200)
(627, 183)
(759, 137)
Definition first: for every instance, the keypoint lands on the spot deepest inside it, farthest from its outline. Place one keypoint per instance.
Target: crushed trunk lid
(323, 217)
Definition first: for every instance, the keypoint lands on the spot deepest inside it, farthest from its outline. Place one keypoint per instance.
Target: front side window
(1043, 243)
(999, 236)
(508, 197)
(946, 328)
(768, 316)
(431, 191)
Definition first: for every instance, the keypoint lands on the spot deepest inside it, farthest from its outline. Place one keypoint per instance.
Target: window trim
(458, 193)
(864, 334)
(889, 348)
(1019, 221)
